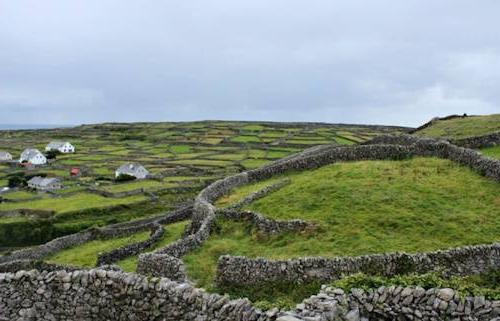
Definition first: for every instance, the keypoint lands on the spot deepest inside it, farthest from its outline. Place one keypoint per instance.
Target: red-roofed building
(74, 172)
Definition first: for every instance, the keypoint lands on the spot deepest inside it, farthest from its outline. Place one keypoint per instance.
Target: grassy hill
(413, 205)
(462, 127)
(182, 157)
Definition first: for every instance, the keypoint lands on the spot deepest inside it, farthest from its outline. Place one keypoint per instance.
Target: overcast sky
(372, 61)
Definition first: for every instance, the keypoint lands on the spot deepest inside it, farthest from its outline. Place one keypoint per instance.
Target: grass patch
(254, 163)
(362, 208)
(491, 152)
(146, 184)
(253, 128)
(245, 139)
(180, 149)
(457, 128)
(19, 195)
(172, 233)
(85, 255)
(72, 203)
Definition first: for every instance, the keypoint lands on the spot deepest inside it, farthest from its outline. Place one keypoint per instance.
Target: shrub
(124, 178)
(52, 154)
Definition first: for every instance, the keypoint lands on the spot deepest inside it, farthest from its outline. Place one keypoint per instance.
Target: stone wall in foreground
(97, 294)
(111, 295)
(395, 303)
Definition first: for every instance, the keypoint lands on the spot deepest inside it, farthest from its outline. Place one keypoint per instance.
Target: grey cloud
(393, 62)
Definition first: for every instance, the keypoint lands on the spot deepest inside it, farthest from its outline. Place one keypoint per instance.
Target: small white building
(45, 184)
(32, 156)
(5, 156)
(132, 169)
(63, 147)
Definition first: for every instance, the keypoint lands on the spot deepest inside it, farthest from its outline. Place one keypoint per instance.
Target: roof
(42, 181)
(56, 144)
(130, 168)
(29, 153)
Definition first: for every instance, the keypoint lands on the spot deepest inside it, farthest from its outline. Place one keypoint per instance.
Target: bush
(52, 154)
(16, 181)
(124, 178)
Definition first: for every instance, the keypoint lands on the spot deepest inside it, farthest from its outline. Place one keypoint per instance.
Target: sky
(372, 62)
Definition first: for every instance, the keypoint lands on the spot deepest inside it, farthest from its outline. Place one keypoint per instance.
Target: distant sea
(30, 126)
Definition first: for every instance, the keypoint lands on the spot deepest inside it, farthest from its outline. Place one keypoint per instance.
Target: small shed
(75, 172)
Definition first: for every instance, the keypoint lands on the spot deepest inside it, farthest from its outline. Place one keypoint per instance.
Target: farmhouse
(132, 169)
(63, 147)
(45, 184)
(5, 156)
(33, 156)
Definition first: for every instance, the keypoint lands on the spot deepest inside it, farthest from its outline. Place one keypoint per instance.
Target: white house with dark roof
(132, 169)
(32, 156)
(63, 147)
(5, 156)
(45, 184)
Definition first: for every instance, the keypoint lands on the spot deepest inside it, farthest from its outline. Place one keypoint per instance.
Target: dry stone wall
(263, 224)
(97, 294)
(41, 251)
(237, 270)
(480, 141)
(125, 251)
(162, 265)
(394, 303)
(259, 194)
(111, 295)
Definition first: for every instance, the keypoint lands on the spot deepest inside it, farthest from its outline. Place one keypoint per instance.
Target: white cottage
(63, 147)
(5, 156)
(45, 184)
(33, 156)
(132, 169)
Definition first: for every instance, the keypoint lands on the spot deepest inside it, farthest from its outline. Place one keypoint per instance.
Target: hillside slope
(460, 127)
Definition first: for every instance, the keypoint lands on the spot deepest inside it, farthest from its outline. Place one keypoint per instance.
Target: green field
(76, 202)
(493, 152)
(173, 232)
(458, 128)
(208, 150)
(414, 205)
(85, 255)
